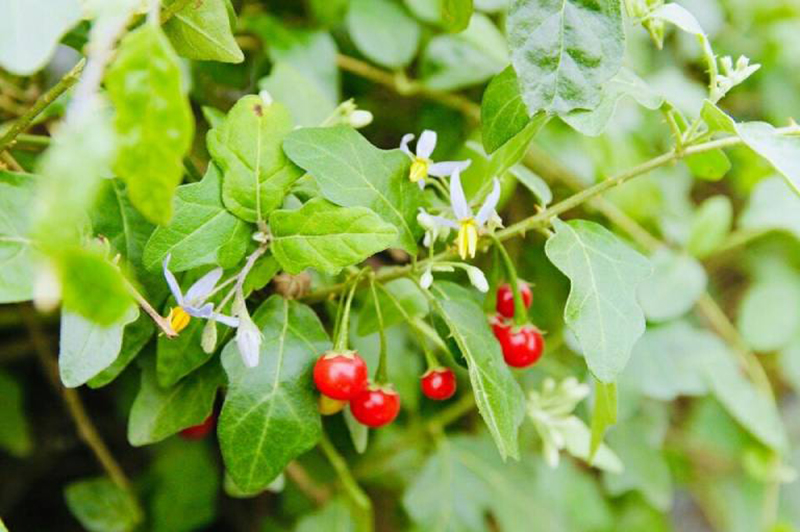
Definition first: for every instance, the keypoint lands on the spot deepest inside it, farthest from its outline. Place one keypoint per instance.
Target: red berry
(522, 346)
(439, 384)
(375, 406)
(340, 375)
(505, 298)
(198, 432)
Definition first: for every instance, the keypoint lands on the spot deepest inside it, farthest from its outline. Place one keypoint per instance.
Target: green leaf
(534, 183)
(412, 304)
(716, 119)
(498, 396)
(153, 120)
(710, 226)
(710, 166)
(102, 506)
(769, 313)
(601, 309)
(202, 232)
(270, 415)
(351, 172)
(514, 149)
(327, 237)
(383, 32)
(159, 412)
(335, 516)
(30, 31)
(503, 113)
(677, 282)
(15, 434)
(186, 482)
(772, 205)
(359, 434)
(782, 151)
(308, 103)
(202, 30)
(16, 251)
(86, 348)
(256, 175)
(565, 52)
(456, 14)
(604, 413)
(135, 337)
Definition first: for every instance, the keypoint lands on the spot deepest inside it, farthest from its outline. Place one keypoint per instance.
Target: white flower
(477, 278)
(193, 303)
(426, 279)
(422, 165)
(266, 97)
(248, 340)
(551, 413)
(435, 229)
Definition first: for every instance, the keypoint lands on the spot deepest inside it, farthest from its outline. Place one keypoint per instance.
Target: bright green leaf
(601, 309)
(604, 413)
(503, 113)
(16, 252)
(716, 119)
(710, 226)
(15, 433)
(202, 30)
(153, 120)
(782, 151)
(510, 153)
(677, 282)
(711, 165)
(102, 506)
(383, 31)
(456, 14)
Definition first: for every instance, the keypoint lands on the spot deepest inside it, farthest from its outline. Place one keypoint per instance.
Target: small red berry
(522, 346)
(340, 375)
(376, 406)
(505, 298)
(198, 432)
(438, 384)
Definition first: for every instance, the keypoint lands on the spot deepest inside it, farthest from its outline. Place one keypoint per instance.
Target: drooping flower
(421, 164)
(248, 340)
(193, 303)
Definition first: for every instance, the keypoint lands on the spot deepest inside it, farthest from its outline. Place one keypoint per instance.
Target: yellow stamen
(467, 238)
(328, 406)
(178, 319)
(419, 169)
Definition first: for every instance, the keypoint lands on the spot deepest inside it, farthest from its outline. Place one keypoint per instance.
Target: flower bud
(426, 279)
(248, 340)
(360, 118)
(46, 289)
(266, 97)
(477, 278)
(209, 339)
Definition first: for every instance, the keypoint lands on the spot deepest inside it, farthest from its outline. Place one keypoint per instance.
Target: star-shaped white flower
(422, 166)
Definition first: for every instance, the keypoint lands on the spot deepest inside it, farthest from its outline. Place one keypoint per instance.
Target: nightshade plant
(573, 304)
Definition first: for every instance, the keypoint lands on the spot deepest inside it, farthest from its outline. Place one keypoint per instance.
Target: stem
(381, 375)
(300, 476)
(344, 325)
(520, 312)
(349, 483)
(162, 322)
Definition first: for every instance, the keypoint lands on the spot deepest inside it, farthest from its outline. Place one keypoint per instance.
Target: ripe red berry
(522, 346)
(198, 432)
(439, 384)
(505, 298)
(340, 375)
(376, 406)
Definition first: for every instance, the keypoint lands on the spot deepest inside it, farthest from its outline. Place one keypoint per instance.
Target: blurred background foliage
(689, 465)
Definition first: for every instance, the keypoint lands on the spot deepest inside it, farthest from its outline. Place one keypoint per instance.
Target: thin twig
(298, 474)
(354, 491)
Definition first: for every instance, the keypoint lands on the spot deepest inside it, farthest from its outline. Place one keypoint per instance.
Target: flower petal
(230, 321)
(174, 287)
(446, 168)
(445, 222)
(489, 204)
(200, 312)
(198, 292)
(426, 144)
(408, 137)
(457, 198)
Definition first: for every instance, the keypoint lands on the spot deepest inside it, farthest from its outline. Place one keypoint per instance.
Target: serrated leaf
(202, 30)
(503, 112)
(16, 251)
(135, 337)
(87, 348)
(102, 506)
(456, 14)
(256, 175)
(782, 151)
(202, 232)
(351, 172)
(710, 226)
(498, 396)
(270, 414)
(15, 434)
(327, 237)
(604, 413)
(159, 412)
(383, 31)
(27, 38)
(153, 120)
(601, 309)
(564, 52)
(677, 282)
(413, 304)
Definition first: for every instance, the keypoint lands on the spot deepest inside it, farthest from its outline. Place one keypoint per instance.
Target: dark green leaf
(16, 253)
(102, 506)
(15, 434)
(503, 113)
(335, 516)
(202, 30)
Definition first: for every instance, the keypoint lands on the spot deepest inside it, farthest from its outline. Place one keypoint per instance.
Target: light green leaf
(503, 113)
(16, 251)
(604, 413)
(769, 313)
(499, 397)
(327, 237)
(359, 434)
(565, 52)
(351, 172)
(15, 434)
(87, 348)
(202, 30)
(710, 226)
(202, 232)
(456, 14)
(335, 516)
(102, 506)
(270, 415)
(135, 337)
(534, 183)
(578, 442)
(716, 119)
(383, 32)
(782, 151)
(679, 16)
(671, 291)
(153, 120)
(601, 309)
(30, 31)
(186, 482)
(710, 166)
(308, 103)
(159, 412)
(772, 205)
(510, 153)
(256, 175)
(412, 304)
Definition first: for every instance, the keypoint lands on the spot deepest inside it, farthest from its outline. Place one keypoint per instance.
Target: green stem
(344, 326)
(354, 491)
(381, 375)
(520, 312)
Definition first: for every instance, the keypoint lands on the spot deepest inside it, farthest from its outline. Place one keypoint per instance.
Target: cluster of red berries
(522, 346)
